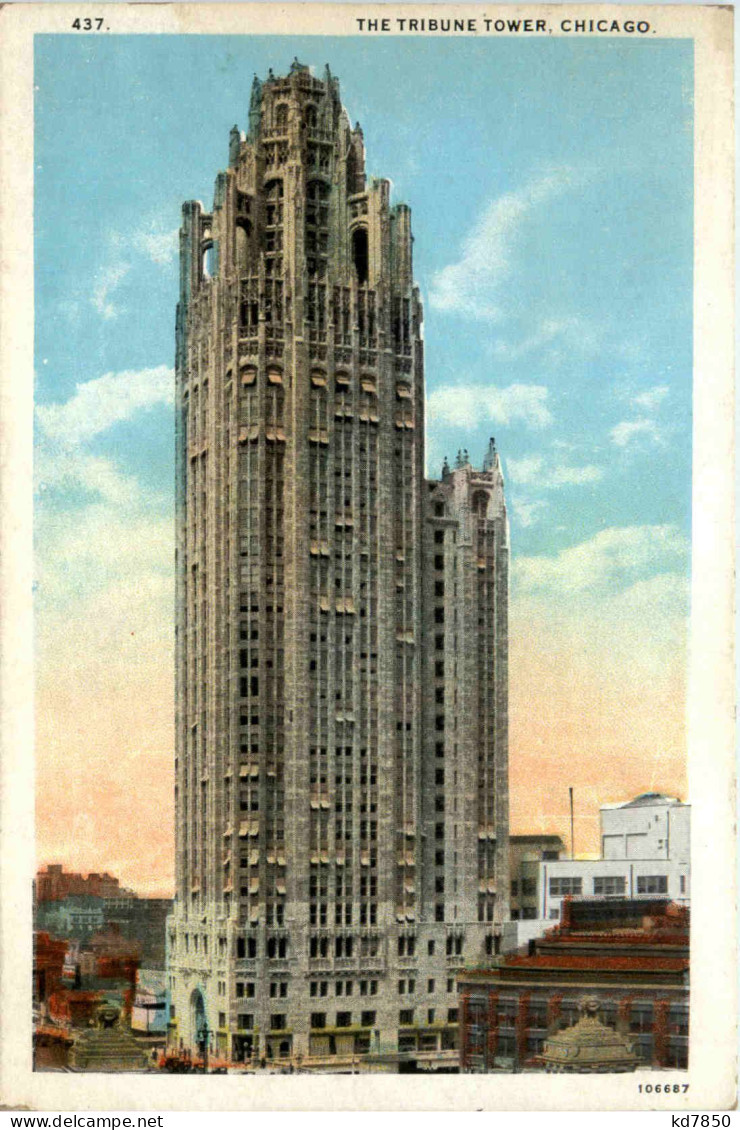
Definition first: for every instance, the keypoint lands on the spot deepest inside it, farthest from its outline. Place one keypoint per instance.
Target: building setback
(341, 761)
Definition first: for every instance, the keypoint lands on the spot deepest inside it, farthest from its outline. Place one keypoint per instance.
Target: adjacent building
(342, 640)
(526, 853)
(645, 853)
(630, 957)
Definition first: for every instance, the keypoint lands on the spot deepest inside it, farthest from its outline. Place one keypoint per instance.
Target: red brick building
(48, 965)
(632, 956)
(55, 883)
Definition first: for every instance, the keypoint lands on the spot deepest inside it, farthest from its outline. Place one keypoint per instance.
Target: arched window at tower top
(208, 260)
(360, 254)
(480, 503)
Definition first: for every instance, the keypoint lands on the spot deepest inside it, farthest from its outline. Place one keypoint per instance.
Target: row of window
(346, 988)
(602, 885)
(407, 986)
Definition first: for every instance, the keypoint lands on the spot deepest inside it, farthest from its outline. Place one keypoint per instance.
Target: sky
(550, 183)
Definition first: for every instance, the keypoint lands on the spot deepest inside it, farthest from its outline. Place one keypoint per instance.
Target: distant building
(106, 969)
(74, 916)
(631, 956)
(55, 883)
(142, 919)
(48, 965)
(645, 846)
(525, 855)
(70, 905)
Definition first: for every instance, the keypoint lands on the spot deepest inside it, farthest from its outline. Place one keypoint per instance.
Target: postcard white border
(711, 1074)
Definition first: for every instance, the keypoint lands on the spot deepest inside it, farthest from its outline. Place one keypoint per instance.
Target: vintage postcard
(367, 410)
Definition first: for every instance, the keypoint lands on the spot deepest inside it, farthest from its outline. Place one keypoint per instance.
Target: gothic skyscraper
(342, 640)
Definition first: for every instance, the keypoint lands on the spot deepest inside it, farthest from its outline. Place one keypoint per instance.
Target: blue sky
(550, 182)
(585, 289)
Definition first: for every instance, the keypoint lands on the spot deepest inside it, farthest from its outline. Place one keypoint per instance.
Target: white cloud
(468, 405)
(535, 470)
(107, 282)
(104, 401)
(651, 399)
(575, 332)
(469, 286)
(68, 467)
(612, 559)
(160, 246)
(527, 511)
(629, 430)
(646, 404)
(157, 244)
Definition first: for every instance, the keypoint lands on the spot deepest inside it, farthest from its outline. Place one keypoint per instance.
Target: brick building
(632, 956)
(55, 883)
(74, 906)
(342, 639)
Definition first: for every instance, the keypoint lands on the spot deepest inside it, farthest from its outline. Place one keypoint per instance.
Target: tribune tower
(341, 653)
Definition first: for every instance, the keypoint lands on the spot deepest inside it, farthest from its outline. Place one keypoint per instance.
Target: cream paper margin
(711, 1074)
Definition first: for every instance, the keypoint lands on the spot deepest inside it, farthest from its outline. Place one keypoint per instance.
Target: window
(406, 1016)
(430, 1016)
(430, 985)
(514, 888)
(439, 537)
(360, 254)
(609, 884)
(652, 884)
(277, 1022)
(318, 1020)
(430, 947)
(529, 887)
(368, 1019)
(222, 1019)
(452, 1016)
(450, 984)
(565, 885)
(344, 1019)
(245, 1020)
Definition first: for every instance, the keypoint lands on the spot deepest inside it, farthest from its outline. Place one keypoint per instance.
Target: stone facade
(342, 637)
